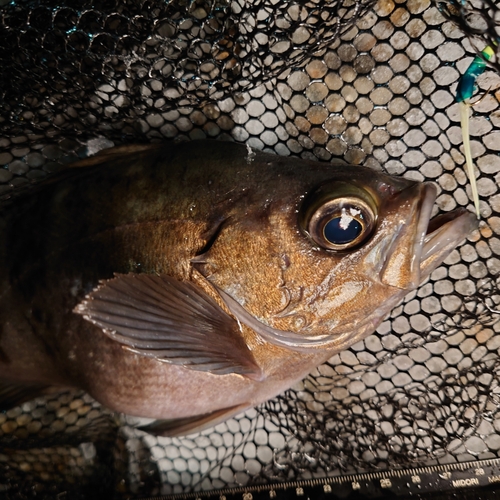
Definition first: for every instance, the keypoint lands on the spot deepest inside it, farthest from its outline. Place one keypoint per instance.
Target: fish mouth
(438, 236)
(420, 244)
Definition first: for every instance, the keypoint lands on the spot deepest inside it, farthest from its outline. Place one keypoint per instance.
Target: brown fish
(191, 281)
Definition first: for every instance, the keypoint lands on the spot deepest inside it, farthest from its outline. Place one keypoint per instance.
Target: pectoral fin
(190, 425)
(170, 320)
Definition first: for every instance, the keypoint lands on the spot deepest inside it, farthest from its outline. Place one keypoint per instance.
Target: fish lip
(410, 260)
(429, 196)
(401, 264)
(440, 235)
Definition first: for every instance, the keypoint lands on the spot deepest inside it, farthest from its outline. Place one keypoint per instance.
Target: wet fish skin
(153, 218)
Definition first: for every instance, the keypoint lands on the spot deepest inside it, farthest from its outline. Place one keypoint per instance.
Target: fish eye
(340, 220)
(343, 229)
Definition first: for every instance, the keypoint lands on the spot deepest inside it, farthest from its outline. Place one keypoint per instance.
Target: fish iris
(339, 216)
(338, 233)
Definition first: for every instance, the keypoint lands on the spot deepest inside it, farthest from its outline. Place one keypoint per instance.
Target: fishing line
(465, 90)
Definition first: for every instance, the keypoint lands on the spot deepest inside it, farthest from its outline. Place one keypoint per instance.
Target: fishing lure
(465, 90)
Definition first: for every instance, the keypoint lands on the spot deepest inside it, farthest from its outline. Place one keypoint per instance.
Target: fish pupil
(339, 233)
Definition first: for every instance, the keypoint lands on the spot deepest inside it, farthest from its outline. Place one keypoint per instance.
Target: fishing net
(371, 83)
(480, 20)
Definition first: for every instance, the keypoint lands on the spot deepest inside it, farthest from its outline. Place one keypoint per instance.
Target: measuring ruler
(467, 480)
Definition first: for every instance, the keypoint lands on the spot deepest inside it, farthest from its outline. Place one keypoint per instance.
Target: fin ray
(170, 320)
(190, 425)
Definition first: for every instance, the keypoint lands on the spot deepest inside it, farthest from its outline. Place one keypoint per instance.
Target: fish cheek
(284, 281)
(246, 264)
(272, 270)
(313, 283)
(330, 293)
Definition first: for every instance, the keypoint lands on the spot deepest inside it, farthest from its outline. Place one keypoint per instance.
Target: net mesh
(109, 66)
(371, 83)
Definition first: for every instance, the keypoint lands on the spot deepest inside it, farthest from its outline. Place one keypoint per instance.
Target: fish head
(320, 263)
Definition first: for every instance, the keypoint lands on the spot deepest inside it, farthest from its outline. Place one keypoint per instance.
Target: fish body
(190, 281)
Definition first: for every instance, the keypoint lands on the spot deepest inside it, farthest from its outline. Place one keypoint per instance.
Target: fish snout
(409, 211)
(420, 244)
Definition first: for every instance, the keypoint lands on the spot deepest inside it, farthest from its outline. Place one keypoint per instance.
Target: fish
(186, 282)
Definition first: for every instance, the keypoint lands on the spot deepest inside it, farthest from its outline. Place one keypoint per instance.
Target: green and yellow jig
(465, 90)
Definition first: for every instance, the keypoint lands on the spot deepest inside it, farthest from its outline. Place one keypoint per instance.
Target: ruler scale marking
(401, 483)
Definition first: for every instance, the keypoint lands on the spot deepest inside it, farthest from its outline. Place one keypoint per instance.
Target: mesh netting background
(371, 83)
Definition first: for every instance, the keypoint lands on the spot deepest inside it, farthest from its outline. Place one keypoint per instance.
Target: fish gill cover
(372, 83)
